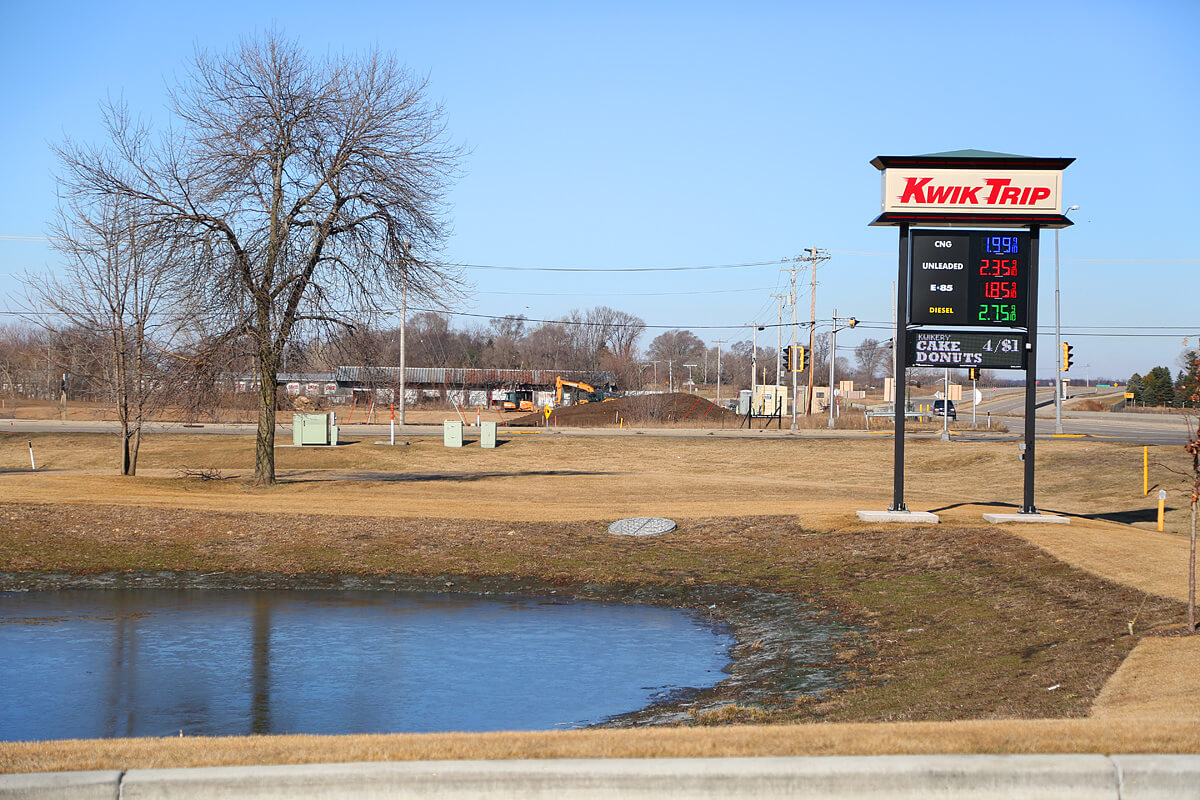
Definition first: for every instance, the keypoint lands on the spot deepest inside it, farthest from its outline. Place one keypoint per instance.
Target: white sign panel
(974, 191)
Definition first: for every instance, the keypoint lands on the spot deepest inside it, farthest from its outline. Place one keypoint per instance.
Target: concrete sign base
(1053, 519)
(897, 516)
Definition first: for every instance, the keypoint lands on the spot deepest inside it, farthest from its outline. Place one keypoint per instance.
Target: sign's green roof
(971, 154)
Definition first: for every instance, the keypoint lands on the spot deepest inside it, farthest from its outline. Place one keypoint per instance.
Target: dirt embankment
(638, 410)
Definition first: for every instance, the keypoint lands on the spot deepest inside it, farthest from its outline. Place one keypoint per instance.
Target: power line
(872, 325)
(617, 269)
(624, 294)
(413, 309)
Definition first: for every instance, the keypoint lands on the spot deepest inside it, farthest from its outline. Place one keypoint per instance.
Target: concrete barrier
(1028, 777)
(105, 785)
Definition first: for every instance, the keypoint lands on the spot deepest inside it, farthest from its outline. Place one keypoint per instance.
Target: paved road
(1119, 427)
(1139, 428)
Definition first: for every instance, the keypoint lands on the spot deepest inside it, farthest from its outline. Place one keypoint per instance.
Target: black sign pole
(1031, 372)
(900, 359)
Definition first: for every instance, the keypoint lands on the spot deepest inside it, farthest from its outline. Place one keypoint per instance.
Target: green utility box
(452, 433)
(487, 433)
(316, 429)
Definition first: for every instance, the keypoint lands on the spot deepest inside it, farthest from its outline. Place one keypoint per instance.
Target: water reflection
(115, 663)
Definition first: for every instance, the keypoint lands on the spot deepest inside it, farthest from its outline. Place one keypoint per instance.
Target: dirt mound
(638, 410)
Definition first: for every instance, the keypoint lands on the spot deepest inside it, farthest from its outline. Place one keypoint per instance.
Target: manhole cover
(641, 526)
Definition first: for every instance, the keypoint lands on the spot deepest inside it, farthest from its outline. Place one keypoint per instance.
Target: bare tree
(114, 301)
(311, 190)
(676, 347)
(870, 359)
(22, 346)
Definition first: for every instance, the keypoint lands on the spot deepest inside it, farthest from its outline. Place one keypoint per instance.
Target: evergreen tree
(1158, 388)
(1134, 387)
(1187, 385)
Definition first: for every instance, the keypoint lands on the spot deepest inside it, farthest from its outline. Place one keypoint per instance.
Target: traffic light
(973, 373)
(787, 360)
(798, 361)
(1067, 355)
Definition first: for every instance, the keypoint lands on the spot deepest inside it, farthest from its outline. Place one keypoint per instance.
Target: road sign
(976, 278)
(978, 396)
(965, 349)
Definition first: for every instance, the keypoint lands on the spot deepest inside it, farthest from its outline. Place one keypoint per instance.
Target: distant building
(464, 387)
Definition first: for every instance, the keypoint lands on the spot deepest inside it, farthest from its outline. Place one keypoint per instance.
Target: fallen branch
(203, 473)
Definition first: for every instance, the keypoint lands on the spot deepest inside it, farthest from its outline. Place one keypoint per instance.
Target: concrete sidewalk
(1027, 777)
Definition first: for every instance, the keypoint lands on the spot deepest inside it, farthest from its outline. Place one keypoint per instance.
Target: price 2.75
(997, 312)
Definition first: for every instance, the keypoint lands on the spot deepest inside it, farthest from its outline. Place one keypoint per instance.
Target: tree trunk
(126, 465)
(264, 446)
(134, 447)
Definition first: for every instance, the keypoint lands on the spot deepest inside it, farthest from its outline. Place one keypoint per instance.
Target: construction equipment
(518, 400)
(577, 393)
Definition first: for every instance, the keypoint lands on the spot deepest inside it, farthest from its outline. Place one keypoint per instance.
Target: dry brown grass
(558, 481)
(1116, 735)
(1156, 681)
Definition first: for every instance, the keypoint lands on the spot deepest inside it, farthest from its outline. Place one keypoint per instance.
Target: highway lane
(1115, 427)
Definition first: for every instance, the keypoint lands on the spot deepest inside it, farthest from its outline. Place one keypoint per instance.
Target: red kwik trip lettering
(970, 194)
(942, 194)
(997, 184)
(914, 190)
(1000, 192)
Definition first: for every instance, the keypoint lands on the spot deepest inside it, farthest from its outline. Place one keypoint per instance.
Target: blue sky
(680, 134)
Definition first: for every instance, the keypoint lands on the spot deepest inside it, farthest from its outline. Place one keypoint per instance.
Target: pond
(160, 662)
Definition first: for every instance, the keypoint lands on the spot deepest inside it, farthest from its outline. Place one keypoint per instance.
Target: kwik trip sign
(977, 191)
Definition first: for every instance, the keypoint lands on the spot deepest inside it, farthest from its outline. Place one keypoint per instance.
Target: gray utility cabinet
(452, 433)
(743, 406)
(487, 433)
(314, 429)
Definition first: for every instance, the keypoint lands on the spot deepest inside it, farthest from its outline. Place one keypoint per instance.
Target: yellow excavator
(578, 393)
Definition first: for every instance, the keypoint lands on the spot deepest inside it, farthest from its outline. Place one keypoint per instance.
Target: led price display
(965, 349)
(977, 278)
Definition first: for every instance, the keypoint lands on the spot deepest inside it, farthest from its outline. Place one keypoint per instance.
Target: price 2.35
(997, 312)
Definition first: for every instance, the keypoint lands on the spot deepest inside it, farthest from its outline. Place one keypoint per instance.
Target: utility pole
(792, 297)
(719, 343)
(753, 362)
(779, 340)
(814, 257)
(895, 354)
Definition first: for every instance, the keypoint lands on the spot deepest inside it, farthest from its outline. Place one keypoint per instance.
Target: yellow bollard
(1146, 472)
(1162, 499)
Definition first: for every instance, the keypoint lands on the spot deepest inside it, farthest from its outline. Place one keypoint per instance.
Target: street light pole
(1058, 428)
(719, 343)
(403, 327)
